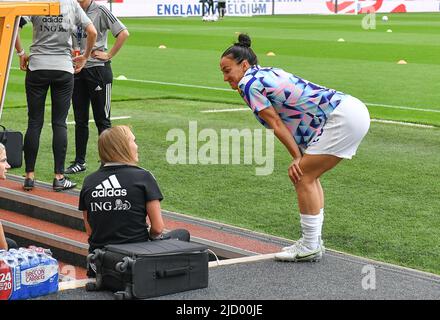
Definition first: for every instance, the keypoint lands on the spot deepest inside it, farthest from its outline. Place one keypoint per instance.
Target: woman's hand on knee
(295, 171)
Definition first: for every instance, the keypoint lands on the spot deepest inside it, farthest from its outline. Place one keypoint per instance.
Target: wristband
(21, 53)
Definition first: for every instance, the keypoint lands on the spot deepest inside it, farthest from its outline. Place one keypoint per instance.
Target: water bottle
(8, 268)
(32, 274)
(41, 278)
(23, 262)
(50, 266)
(55, 270)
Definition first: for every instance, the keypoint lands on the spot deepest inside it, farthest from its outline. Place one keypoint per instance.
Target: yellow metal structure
(10, 12)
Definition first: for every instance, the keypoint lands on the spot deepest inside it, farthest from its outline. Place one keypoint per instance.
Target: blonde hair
(2, 147)
(113, 145)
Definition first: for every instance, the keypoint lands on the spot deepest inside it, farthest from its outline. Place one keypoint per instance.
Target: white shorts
(344, 130)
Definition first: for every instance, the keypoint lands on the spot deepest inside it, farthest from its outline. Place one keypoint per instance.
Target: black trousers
(37, 84)
(210, 7)
(221, 6)
(91, 85)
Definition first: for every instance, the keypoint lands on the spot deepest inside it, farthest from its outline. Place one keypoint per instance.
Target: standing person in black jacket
(50, 65)
(94, 82)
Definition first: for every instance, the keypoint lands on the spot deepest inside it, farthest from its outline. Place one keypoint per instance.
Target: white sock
(321, 213)
(311, 226)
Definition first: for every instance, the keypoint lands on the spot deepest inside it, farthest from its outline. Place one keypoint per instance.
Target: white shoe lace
(300, 241)
(297, 242)
(300, 248)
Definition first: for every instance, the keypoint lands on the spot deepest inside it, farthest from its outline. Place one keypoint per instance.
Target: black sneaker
(76, 167)
(28, 184)
(63, 184)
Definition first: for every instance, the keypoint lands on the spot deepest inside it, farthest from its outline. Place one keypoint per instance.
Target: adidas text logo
(98, 88)
(109, 188)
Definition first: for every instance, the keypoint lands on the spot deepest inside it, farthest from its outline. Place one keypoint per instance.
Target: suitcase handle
(171, 272)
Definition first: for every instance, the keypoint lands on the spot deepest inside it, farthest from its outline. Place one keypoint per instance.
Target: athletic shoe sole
(313, 257)
(68, 172)
(57, 189)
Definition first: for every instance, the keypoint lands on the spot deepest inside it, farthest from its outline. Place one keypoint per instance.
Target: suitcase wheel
(92, 257)
(122, 295)
(123, 266)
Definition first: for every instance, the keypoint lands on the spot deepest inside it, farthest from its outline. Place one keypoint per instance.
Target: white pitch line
(409, 124)
(114, 118)
(369, 104)
(230, 90)
(400, 107)
(176, 84)
(224, 110)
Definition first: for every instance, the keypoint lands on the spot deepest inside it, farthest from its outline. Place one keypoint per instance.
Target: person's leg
(321, 193)
(37, 85)
(101, 99)
(209, 8)
(321, 214)
(310, 201)
(81, 104)
(343, 132)
(61, 94)
(311, 197)
(310, 194)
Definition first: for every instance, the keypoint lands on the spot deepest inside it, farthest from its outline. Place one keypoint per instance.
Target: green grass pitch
(384, 204)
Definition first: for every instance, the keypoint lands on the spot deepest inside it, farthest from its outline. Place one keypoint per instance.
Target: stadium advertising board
(185, 8)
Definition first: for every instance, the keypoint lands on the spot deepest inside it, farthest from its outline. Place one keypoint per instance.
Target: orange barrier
(10, 12)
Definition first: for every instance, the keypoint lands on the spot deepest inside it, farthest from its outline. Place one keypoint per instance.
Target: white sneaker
(299, 252)
(300, 240)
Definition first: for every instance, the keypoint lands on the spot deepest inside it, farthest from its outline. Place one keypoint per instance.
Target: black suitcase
(149, 269)
(13, 142)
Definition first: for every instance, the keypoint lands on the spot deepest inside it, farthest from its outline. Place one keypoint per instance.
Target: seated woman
(5, 243)
(117, 198)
